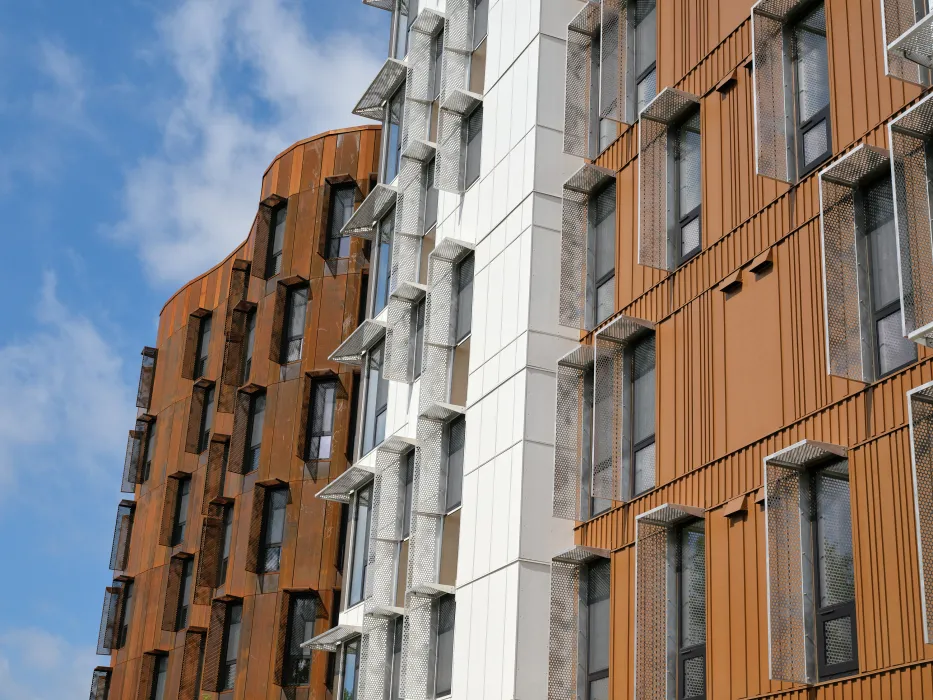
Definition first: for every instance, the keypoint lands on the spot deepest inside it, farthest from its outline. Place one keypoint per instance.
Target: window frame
(291, 662)
(801, 128)
(266, 546)
(583, 654)
(336, 245)
(206, 426)
(159, 670)
(202, 350)
(431, 196)
(638, 79)
(126, 612)
(392, 152)
(382, 265)
(355, 645)
(274, 258)
(254, 450)
(225, 682)
(183, 610)
(417, 341)
(226, 543)
(460, 335)
(693, 651)
(358, 551)
(182, 506)
(448, 454)
(319, 386)
(447, 599)
(149, 452)
(291, 295)
(472, 153)
(646, 441)
(681, 220)
(373, 410)
(249, 346)
(593, 246)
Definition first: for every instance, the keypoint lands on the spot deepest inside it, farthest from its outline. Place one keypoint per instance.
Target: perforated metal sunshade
(571, 432)
(579, 79)
(362, 223)
(365, 336)
(908, 41)
(332, 638)
(920, 412)
(389, 78)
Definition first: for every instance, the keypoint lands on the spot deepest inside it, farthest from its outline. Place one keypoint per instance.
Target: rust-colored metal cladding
(223, 489)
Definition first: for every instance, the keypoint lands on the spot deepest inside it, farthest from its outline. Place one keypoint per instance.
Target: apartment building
(743, 430)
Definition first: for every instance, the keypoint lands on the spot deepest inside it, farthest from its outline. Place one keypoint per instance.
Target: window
(377, 401)
(273, 530)
(444, 660)
(204, 342)
(360, 552)
(891, 350)
(597, 629)
(430, 197)
(642, 359)
(231, 646)
(250, 342)
(687, 174)
(184, 599)
(227, 538)
(159, 676)
(302, 613)
(645, 32)
(464, 320)
(150, 450)
(418, 344)
(343, 198)
(597, 453)
(393, 138)
(456, 438)
(811, 89)
(474, 145)
(277, 241)
(602, 131)
(478, 57)
(181, 511)
(690, 565)
(257, 412)
(408, 467)
(397, 658)
(321, 420)
(602, 212)
(296, 307)
(126, 614)
(351, 669)
(384, 262)
(401, 31)
(437, 48)
(207, 420)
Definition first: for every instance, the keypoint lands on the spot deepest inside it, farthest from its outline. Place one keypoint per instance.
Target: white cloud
(39, 665)
(190, 203)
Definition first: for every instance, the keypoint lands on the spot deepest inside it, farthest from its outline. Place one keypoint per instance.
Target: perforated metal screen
(920, 407)
(907, 39)
(376, 658)
(613, 71)
(452, 129)
(132, 462)
(387, 81)
(579, 80)
(909, 136)
(419, 640)
(572, 432)
(352, 350)
(110, 619)
(100, 684)
(773, 142)
(122, 533)
(146, 378)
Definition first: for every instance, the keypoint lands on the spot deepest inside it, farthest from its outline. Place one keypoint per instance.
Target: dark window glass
(438, 54)
(343, 199)
(273, 529)
(456, 439)
(397, 659)
(277, 242)
(181, 511)
(228, 536)
(360, 544)
(645, 53)
(160, 672)
(250, 341)
(296, 311)
(384, 269)
(150, 450)
(408, 466)
(231, 646)
(603, 242)
(691, 609)
(597, 630)
(377, 401)
(401, 32)
(464, 319)
(321, 420)
(204, 342)
(811, 73)
(184, 597)
(394, 134)
(127, 614)
(444, 666)
(418, 345)
(256, 419)
(302, 614)
(643, 402)
(351, 669)
(689, 188)
(474, 145)
(430, 197)
(480, 21)
(207, 419)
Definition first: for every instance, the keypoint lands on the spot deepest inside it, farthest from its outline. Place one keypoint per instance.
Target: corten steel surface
(310, 547)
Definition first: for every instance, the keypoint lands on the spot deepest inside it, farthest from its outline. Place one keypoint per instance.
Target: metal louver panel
(568, 589)
(365, 336)
(192, 333)
(574, 234)
(611, 407)
(278, 323)
(458, 45)
(122, 533)
(146, 675)
(172, 593)
(146, 378)
(653, 125)
(100, 683)
(419, 638)
(654, 672)
(254, 540)
(299, 609)
(424, 555)
(920, 412)
(613, 70)
(908, 41)
(572, 436)
(387, 81)
(110, 619)
(168, 511)
(409, 212)
(132, 462)
(215, 471)
(418, 83)
(376, 658)
(211, 677)
(579, 79)
(848, 342)
(212, 533)
(195, 414)
(792, 648)
(377, 204)
(191, 663)
(402, 315)
(911, 170)
(234, 349)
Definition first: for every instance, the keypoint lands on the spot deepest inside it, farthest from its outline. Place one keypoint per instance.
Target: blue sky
(133, 137)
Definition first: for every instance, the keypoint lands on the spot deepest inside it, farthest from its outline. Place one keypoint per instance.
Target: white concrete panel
(546, 212)
(551, 69)
(462, 634)
(494, 304)
(507, 44)
(521, 386)
(493, 39)
(499, 194)
(539, 407)
(480, 305)
(541, 534)
(555, 15)
(533, 620)
(524, 292)
(496, 239)
(514, 525)
(545, 348)
(479, 629)
(510, 286)
(484, 221)
(502, 94)
(507, 365)
(545, 270)
(531, 99)
(552, 167)
(519, 177)
(489, 418)
(484, 516)
(504, 502)
(517, 97)
(490, 382)
(510, 632)
(505, 400)
(467, 527)
(471, 449)
(495, 640)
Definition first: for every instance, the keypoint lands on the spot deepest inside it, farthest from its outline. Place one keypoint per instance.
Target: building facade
(224, 561)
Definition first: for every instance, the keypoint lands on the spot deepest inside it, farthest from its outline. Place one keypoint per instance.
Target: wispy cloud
(39, 665)
(254, 78)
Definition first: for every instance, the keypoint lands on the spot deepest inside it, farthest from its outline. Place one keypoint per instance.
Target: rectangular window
(321, 420)
(204, 342)
(184, 598)
(360, 552)
(351, 669)
(342, 201)
(296, 308)
(596, 452)
(273, 530)
(430, 197)
(277, 241)
(302, 613)
(464, 320)
(444, 660)
(597, 629)
(250, 342)
(645, 31)
(690, 563)
(456, 439)
(408, 472)
(688, 188)
(207, 420)
(436, 84)
(231, 646)
(603, 250)
(879, 245)
(474, 145)
(150, 450)
(642, 358)
(181, 511)
(401, 31)
(127, 614)
(602, 131)
(228, 537)
(393, 128)
(384, 262)
(478, 57)
(377, 401)
(159, 677)
(811, 88)
(418, 344)
(257, 412)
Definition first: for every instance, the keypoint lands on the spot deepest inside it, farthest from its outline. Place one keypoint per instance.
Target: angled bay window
(792, 112)
(212, 539)
(907, 25)
(133, 466)
(204, 343)
(272, 532)
(223, 644)
(417, 344)
(276, 241)
(587, 248)
(860, 268)
(146, 378)
(573, 441)
(179, 591)
(455, 442)
(100, 683)
(207, 420)
(174, 507)
(218, 454)
(342, 202)
(248, 344)
(811, 568)
(405, 333)
(159, 674)
(463, 323)
(460, 141)
(669, 180)
(920, 412)
(670, 603)
(299, 612)
(122, 535)
(293, 322)
(578, 638)
(225, 545)
(111, 619)
(350, 670)
(197, 345)
(192, 663)
(248, 423)
(430, 197)
(393, 135)
(474, 145)
(126, 614)
(320, 427)
(272, 212)
(586, 131)
(231, 646)
(625, 61)
(444, 649)
(149, 452)
(180, 519)
(437, 54)
(200, 416)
